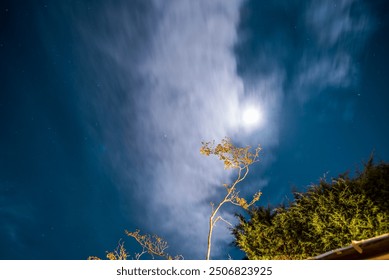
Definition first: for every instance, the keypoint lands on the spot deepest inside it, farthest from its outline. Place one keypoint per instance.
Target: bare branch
(222, 219)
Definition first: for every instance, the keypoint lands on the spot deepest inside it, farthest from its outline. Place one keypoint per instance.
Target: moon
(252, 117)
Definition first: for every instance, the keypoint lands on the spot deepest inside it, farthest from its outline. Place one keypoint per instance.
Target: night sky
(104, 105)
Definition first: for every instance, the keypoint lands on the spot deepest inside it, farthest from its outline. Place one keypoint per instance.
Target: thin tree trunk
(209, 238)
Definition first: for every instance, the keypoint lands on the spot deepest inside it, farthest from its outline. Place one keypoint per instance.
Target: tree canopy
(329, 215)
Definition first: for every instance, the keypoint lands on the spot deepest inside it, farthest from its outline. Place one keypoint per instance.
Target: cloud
(321, 72)
(158, 102)
(192, 95)
(337, 31)
(307, 46)
(333, 21)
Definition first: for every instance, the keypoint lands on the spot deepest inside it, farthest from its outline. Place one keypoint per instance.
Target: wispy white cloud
(318, 73)
(188, 92)
(338, 32)
(193, 94)
(332, 21)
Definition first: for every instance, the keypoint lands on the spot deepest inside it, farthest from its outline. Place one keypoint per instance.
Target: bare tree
(151, 244)
(233, 158)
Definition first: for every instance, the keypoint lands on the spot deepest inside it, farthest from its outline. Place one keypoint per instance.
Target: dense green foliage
(326, 217)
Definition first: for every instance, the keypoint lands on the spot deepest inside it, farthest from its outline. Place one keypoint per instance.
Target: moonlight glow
(252, 117)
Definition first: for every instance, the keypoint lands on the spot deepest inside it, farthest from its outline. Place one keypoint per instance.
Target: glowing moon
(251, 117)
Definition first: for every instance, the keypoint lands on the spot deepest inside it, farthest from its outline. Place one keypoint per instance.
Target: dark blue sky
(103, 108)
